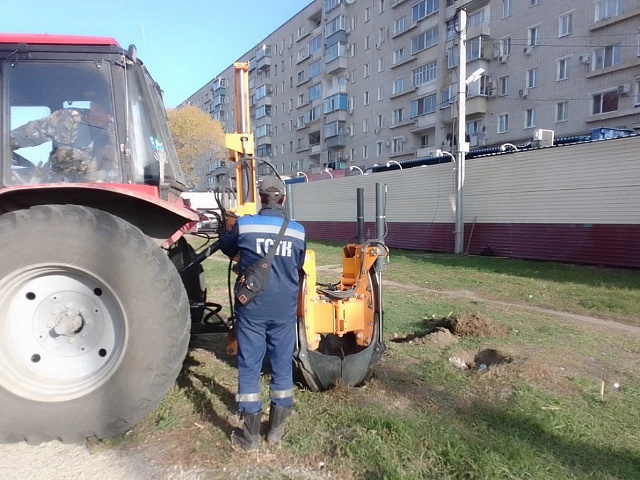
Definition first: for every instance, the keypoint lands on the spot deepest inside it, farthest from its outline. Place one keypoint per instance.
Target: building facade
(363, 82)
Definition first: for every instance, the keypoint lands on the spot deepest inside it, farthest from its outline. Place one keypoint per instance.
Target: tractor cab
(82, 114)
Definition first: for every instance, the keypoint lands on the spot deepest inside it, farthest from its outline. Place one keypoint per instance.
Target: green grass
(542, 416)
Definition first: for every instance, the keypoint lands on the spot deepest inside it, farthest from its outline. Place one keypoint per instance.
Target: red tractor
(95, 319)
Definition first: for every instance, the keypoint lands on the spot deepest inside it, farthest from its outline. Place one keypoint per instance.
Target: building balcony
(474, 106)
(263, 63)
(337, 141)
(262, 102)
(336, 115)
(424, 123)
(336, 65)
(315, 150)
(266, 140)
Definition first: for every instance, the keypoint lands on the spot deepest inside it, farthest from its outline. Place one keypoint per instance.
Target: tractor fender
(162, 220)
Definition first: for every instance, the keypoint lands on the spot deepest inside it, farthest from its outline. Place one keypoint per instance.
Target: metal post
(360, 215)
(463, 146)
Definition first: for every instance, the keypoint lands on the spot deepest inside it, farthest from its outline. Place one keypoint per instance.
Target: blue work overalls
(268, 324)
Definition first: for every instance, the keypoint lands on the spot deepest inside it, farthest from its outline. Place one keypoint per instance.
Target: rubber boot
(248, 437)
(277, 417)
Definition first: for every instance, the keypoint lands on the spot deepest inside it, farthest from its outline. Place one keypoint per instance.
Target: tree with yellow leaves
(198, 139)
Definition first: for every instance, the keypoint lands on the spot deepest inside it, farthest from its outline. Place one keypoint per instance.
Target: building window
(315, 69)
(533, 36)
(531, 78)
(533, 2)
(562, 111)
(400, 25)
(381, 6)
(367, 42)
(450, 28)
(398, 86)
(336, 102)
(302, 76)
(505, 46)
(336, 24)
(366, 98)
(424, 9)
(397, 144)
(380, 120)
(366, 70)
(315, 92)
(423, 106)
(606, 9)
(452, 56)
(315, 45)
(506, 8)
(605, 102)
(334, 129)
(398, 116)
(474, 49)
(503, 123)
(446, 99)
(563, 69)
(380, 64)
(424, 141)
(565, 24)
(399, 55)
(529, 118)
(334, 51)
(504, 85)
(424, 40)
(380, 92)
(607, 56)
(367, 14)
(425, 74)
(365, 125)
(637, 92)
(379, 148)
(365, 152)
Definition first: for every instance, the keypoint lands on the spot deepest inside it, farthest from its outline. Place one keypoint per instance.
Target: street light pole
(463, 145)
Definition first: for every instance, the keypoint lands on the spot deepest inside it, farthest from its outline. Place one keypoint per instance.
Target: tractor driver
(83, 142)
(268, 323)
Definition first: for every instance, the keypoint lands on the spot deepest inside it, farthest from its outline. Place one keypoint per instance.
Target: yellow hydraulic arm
(241, 144)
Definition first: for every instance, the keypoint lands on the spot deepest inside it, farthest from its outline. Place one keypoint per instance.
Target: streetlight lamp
(302, 174)
(326, 170)
(504, 146)
(393, 161)
(444, 152)
(354, 167)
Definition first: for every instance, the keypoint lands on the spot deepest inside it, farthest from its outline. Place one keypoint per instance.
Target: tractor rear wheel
(94, 324)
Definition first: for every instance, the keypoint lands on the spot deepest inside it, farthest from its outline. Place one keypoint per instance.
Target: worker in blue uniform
(268, 323)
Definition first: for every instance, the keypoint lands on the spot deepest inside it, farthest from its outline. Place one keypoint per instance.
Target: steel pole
(463, 146)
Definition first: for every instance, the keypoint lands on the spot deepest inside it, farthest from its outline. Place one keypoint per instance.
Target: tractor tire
(94, 325)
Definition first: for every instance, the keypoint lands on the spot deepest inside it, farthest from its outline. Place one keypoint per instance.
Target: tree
(198, 139)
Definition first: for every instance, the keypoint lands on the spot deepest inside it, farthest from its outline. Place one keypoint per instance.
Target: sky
(184, 44)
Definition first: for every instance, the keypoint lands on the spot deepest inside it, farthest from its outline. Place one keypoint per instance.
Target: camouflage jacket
(78, 146)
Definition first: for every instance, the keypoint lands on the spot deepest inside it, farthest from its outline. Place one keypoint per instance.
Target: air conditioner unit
(624, 89)
(585, 58)
(528, 50)
(523, 93)
(503, 58)
(492, 85)
(387, 143)
(543, 138)
(492, 93)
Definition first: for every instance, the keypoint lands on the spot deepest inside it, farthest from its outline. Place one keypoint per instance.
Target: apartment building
(363, 82)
